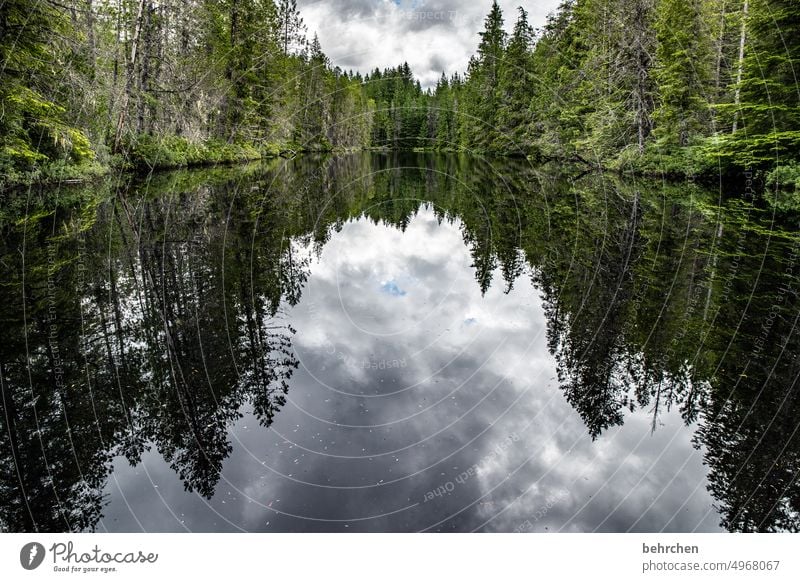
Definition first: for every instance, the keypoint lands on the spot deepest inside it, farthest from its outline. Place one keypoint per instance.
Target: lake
(411, 342)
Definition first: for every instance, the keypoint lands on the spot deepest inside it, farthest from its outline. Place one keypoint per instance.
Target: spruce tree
(292, 29)
(479, 121)
(682, 72)
(768, 115)
(515, 86)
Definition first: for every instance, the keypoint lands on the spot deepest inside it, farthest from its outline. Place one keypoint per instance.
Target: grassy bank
(147, 153)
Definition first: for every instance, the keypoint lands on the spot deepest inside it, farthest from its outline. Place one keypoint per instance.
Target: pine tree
(479, 119)
(292, 29)
(515, 87)
(768, 113)
(682, 72)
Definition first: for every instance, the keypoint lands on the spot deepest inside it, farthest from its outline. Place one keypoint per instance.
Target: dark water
(370, 343)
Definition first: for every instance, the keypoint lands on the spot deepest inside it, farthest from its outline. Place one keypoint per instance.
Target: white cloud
(431, 35)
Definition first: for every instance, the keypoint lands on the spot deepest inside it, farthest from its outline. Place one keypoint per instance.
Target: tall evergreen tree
(767, 128)
(291, 26)
(478, 121)
(515, 86)
(557, 110)
(683, 72)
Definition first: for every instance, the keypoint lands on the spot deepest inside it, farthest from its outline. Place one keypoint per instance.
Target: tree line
(683, 86)
(667, 86)
(166, 83)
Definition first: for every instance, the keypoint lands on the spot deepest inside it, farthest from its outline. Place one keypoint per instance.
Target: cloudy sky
(431, 35)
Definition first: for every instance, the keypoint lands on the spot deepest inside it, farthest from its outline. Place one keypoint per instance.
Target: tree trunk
(720, 52)
(90, 37)
(144, 79)
(131, 71)
(739, 66)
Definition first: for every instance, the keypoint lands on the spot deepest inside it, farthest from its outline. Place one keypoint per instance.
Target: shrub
(785, 177)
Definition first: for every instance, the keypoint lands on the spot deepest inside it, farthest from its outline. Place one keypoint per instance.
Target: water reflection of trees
(656, 296)
(153, 327)
(665, 301)
(168, 302)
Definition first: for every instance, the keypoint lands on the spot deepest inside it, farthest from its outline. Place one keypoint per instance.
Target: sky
(431, 35)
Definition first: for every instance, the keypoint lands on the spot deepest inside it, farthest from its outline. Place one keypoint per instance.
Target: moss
(145, 152)
(663, 162)
(138, 153)
(64, 170)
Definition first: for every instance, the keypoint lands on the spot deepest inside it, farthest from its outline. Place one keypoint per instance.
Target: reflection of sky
(452, 393)
(391, 288)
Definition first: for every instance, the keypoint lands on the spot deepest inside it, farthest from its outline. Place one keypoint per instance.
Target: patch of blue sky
(392, 288)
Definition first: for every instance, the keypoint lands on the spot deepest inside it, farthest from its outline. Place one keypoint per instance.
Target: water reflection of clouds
(391, 288)
(357, 447)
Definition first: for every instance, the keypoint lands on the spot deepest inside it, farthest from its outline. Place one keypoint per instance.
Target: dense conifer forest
(676, 87)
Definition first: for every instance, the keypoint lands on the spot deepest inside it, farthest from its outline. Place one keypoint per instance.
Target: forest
(661, 87)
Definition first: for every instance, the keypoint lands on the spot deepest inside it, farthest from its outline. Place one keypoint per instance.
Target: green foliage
(768, 115)
(401, 109)
(147, 152)
(478, 123)
(663, 162)
(654, 86)
(785, 178)
(516, 76)
(33, 131)
(645, 86)
(194, 83)
(682, 73)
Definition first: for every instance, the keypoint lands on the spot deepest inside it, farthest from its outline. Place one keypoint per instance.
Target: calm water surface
(413, 343)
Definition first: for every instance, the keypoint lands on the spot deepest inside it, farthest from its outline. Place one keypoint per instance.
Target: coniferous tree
(684, 85)
(682, 72)
(516, 84)
(556, 109)
(478, 119)
(766, 113)
(291, 26)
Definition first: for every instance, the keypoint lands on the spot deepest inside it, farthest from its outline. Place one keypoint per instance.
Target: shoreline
(213, 154)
